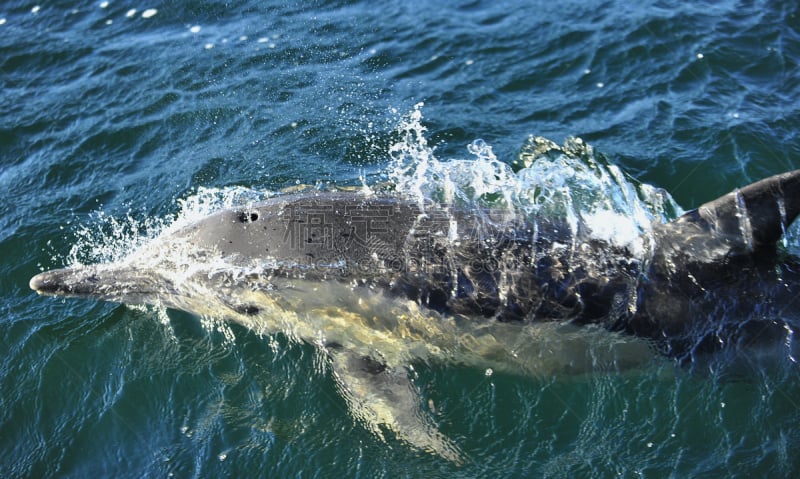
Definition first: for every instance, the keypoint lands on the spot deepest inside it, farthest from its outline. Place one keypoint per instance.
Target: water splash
(415, 170)
(107, 238)
(570, 182)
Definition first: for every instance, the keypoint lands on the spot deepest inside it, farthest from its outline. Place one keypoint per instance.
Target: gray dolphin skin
(378, 283)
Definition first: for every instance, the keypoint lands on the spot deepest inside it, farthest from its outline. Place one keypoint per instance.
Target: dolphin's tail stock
(717, 276)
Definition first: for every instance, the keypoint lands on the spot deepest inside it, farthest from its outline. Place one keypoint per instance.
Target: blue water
(107, 112)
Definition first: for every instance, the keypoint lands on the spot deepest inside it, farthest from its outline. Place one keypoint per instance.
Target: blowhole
(247, 309)
(245, 217)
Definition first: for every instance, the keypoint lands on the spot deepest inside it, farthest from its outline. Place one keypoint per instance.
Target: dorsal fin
(744, 220)
(759, 212)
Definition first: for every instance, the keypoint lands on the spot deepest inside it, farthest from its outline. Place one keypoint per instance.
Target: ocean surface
(114, 116)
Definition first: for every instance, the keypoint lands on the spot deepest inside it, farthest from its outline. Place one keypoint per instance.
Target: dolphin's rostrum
(378, 282)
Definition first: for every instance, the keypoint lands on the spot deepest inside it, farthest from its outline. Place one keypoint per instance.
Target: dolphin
(379, 282)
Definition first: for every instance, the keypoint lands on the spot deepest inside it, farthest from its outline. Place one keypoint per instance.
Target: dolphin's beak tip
(41, 283)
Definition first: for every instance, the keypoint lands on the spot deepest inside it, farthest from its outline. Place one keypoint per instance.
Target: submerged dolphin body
(467, 286)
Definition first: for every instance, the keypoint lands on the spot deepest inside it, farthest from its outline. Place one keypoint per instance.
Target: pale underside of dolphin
(381, 282)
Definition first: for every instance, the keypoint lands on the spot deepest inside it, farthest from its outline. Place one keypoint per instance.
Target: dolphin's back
(481, 263)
